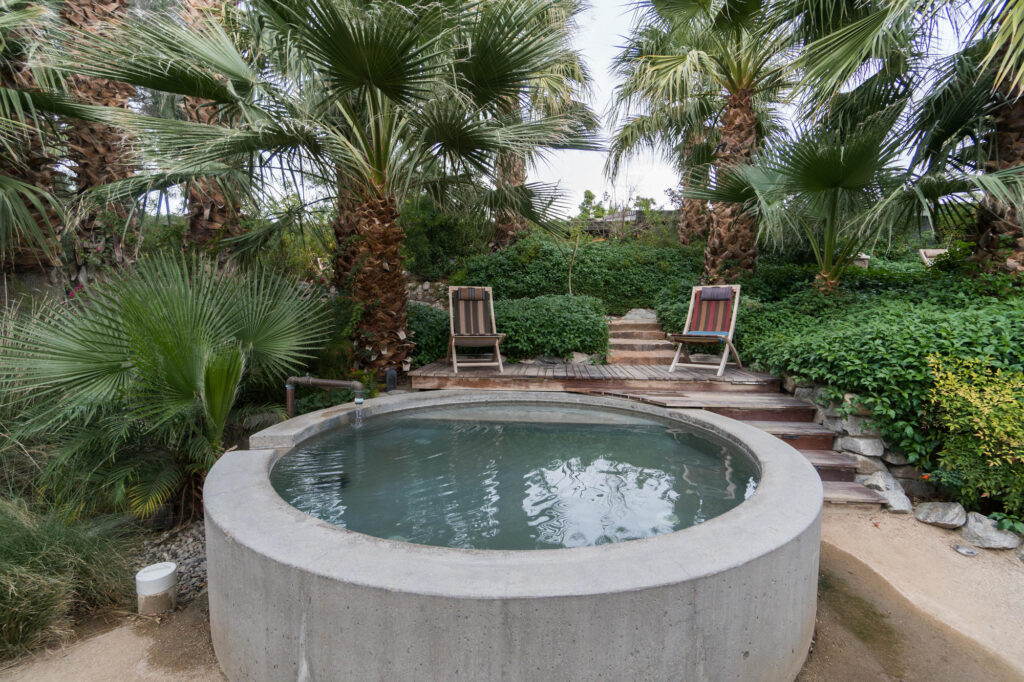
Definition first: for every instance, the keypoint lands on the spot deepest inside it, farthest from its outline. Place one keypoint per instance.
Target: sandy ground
(895, 603)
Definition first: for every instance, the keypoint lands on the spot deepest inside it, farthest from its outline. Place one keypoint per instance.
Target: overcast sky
(601, 31)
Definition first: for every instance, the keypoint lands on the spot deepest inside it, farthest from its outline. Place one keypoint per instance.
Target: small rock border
(185, 546)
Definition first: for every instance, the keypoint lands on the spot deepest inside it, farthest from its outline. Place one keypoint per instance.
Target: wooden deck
(587, 377)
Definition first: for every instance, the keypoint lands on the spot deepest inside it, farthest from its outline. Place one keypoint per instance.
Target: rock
(919, 488)
(890, 489)
(854, 399)
(640, 314)
(862, 445)
(965, 550)
(908, 471)
(944, 514)
(892, 457)
(981, 531)
(788, 384)
(833, 424)
(833, 409)
(868, 465)
(580, 357)
(858, 426)
(1020, 554)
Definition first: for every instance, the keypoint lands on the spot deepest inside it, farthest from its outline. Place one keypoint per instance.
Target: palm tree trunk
(211, 213)
(509, 225)
(98, 154)
(732, 243)
(999, 231)
(510, 172)
(368, 264)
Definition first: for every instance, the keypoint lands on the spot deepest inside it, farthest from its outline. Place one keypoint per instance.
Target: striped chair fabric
(712, 312)
(471, 311)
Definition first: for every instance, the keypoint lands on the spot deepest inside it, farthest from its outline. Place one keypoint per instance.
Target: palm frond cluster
(904, 132)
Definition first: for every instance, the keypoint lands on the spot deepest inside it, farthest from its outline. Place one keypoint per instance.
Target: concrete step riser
(626, 334)
(641, 346)
(631, 326)
(803, 415)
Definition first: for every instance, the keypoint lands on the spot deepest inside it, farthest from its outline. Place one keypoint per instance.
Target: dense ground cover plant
(622, 274)
(878, 346)
(553, 326)
(437, 241)
(134, 382)
(50, 570)
(981, 411)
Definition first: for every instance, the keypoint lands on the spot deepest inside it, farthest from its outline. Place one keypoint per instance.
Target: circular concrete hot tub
(293, 597)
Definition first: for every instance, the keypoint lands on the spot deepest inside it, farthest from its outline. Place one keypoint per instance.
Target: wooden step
(744, 407)
(634, 325)
(831, 465)
(634, 357)
(844, 492)
(641, 345)
(800, 435)
(614, 333)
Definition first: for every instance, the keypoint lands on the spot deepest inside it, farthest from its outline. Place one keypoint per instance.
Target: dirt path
(174, 649)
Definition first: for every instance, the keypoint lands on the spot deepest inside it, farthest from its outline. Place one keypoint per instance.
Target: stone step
(634, 325)
(614, 333)
(801, 436)
(633, 357)
(844, 492)
(831, 465)
(745, 407)
(641, 345)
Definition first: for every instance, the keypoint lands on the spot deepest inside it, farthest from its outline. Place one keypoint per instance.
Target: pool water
(514, 477)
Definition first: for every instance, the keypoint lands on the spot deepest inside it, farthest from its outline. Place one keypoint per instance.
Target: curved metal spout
(292, 382)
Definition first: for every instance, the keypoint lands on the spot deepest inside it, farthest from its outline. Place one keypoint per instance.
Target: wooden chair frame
(479, 340)
(725, 339)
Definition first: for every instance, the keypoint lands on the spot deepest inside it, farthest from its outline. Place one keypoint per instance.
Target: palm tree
(988, 73)
(833, 191)
(136, 385)
(212, 213)
(29, 213)
(373, 101)
(556, 87)
(692, 49)
(98, 154)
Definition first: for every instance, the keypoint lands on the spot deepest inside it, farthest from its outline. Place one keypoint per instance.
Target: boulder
(982, 531)
(862, 445)
(944, 514)
(788, 383)
(859, 426)
(860, 410)
(889, 487)
(580, 357)
(897, 458)
(1020, 554)
(833, 424)
(868, 465)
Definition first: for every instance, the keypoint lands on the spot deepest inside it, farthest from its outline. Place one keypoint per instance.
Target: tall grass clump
(51, 570)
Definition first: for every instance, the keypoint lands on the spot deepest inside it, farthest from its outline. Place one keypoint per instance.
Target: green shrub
(878, 347)
(552, 325)
(545, 325)
(622, 274)
(49, 570)
(428, 327)
(981, 412)
(437, 242)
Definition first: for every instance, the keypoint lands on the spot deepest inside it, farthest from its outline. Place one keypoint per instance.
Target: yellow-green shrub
(981, 410)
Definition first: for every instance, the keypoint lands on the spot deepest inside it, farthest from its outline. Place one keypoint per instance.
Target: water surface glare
(514, 477)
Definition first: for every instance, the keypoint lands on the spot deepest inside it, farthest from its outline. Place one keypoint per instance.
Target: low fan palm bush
(981, 412)
(51, 570)
(139, 376)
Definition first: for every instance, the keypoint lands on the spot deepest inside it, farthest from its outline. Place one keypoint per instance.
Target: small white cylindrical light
(157, 588)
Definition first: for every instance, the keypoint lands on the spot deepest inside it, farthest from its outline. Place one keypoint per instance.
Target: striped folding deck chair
(471, 314)
(711, 320)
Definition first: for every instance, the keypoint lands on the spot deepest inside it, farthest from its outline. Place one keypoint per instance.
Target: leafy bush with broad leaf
(878, 348)
(622, 274)
(50, 569)
(981, 413)
(139, 376)
(553, 326)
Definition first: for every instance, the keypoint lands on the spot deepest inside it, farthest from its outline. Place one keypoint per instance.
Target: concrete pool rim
(786, 505)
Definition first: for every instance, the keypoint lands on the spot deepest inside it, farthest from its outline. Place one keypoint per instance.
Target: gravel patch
(185, 546)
